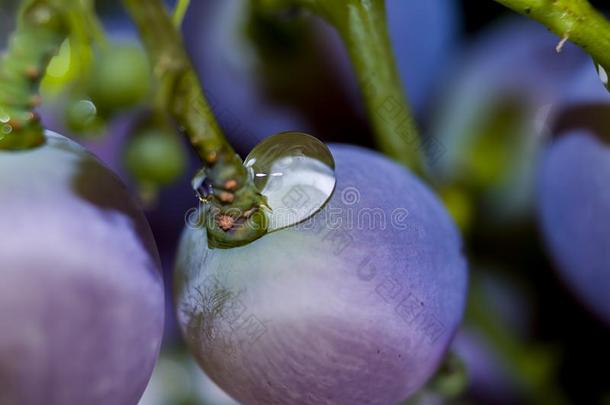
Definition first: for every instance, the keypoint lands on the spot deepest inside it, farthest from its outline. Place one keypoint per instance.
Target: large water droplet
(603, 74)
(296, 172)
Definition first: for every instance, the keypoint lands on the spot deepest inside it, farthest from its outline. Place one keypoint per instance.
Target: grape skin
(573, 205)
(81, 297)
(319, 313)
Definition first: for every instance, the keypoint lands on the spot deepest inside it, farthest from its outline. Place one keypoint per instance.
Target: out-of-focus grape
(497, 108)
(573, 205)
(156, 157)
(121, 77)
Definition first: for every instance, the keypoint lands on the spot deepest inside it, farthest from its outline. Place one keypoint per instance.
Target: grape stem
(575, 20)
(41, 29)
(180, 11)
(362, 25)
(235, 200)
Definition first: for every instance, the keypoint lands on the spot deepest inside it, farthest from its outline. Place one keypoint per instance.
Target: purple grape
(165, 215)
(573, 205)
(81, 297)
(356, 305)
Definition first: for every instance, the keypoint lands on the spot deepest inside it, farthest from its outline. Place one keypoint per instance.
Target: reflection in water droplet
(603, 75)
(296, 172)
(202, 186)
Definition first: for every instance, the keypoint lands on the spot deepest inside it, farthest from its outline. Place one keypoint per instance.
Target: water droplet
(296, 172)
(4, 117)
(603, 74)
(7, 129)
(202, 186)
(82, 117)
(87, 110)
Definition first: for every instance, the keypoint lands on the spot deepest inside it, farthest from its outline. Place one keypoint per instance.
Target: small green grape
(121, 77)
(155, 157)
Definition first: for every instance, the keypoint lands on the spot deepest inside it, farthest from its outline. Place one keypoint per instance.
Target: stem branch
(234, 198)
(180, 12)
(575, 20)
(363, 28)
(41, 29)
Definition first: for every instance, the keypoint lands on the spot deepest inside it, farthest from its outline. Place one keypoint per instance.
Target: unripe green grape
(155, 157)
(121, 77)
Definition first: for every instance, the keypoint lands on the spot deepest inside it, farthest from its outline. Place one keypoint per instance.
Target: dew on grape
(296, 172)
(86, 110)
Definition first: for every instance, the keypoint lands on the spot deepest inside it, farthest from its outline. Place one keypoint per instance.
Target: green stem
(575, 20)
(180, 12)
(40, 32)
(235, 200)
(363, 27)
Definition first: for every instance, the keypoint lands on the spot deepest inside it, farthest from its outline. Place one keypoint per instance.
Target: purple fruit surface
(573, 205)
(81, 297)
(355, 306)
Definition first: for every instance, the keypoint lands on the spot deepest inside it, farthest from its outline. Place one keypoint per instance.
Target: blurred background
(488, 88)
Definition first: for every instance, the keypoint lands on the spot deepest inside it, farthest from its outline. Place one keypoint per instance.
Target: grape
(81, 297)
(308, 85)
(355, 305)
(497, 107)
(155, 157)
(573, 204)
(121, 77)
